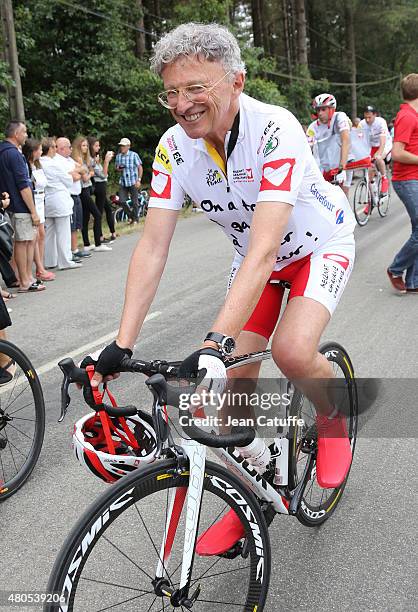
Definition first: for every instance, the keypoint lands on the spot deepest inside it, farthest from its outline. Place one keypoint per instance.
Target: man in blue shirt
(129, 164)
(14, 179)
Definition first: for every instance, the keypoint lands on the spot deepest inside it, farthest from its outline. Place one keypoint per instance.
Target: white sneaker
(91, 247)
(102, 248)
(73, 265)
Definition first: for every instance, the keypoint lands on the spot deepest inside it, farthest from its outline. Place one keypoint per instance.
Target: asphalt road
(364, 558)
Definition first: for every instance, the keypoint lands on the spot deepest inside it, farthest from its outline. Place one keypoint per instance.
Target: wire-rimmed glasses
(193, 93)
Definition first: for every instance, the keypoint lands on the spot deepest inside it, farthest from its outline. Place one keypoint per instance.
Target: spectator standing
(81, 154)
(6, 269)
(58, 210)
(100, 185)
(32, 150)
(14, 179)
(74, 169)
(129, 165)
(405, 183)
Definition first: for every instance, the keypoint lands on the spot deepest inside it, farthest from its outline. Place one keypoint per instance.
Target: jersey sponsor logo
(339, 216)
(178, 158)
(277, 175)
(321, 198)
(213, 177)
(160, 185)
(161, 157)
(171, 143)
(272, 144)
(340, 259)
(245, 175)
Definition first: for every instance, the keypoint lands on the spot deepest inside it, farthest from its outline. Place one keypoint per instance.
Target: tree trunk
(140, 34)
(17, 110)
(302, 41)
(265, 21)
(257, 27)
(351, 47)
(286, 37)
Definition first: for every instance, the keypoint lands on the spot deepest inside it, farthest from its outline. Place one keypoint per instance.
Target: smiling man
(250, 168)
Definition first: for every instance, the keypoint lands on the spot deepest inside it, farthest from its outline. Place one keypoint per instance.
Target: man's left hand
(138, 184)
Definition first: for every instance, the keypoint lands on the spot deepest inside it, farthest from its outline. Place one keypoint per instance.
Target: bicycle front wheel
(362, 206)
(317, 503)
(22, 418)
(384, 201)
(110, 559)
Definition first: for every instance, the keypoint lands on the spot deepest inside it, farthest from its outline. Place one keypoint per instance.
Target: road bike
(368, 195)
(134, 548)
(22, 419)
(120, 213)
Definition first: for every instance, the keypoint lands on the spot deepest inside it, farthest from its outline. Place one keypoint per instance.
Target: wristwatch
(226, 344)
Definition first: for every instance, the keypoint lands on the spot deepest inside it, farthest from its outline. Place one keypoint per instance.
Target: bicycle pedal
(232, 553)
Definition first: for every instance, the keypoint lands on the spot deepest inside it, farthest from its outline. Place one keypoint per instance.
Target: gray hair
(212, 42)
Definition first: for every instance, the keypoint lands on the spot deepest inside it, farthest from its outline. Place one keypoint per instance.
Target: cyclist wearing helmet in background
(328, 123)
(380, 142)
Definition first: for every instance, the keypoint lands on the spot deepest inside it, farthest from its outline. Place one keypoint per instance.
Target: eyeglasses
(192, 93)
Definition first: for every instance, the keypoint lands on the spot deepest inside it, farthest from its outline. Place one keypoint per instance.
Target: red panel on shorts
(264, 317)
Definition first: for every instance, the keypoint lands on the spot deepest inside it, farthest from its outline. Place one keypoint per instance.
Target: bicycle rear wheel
(317, 503)
(22, 419)
(362, 206)
(109, 560)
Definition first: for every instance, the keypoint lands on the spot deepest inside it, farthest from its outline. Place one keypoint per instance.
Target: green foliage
(300, 92)
(80, 73)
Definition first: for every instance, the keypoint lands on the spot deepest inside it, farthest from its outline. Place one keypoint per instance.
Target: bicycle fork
(192, 495)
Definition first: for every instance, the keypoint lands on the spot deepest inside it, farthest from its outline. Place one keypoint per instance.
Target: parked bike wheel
(361, 204)
(22, 419)
(384, 202)
(317, 503)
(120, 216)
(109, 560)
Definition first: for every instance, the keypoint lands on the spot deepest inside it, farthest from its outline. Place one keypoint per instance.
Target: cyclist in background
(380, 141)
(328, 123)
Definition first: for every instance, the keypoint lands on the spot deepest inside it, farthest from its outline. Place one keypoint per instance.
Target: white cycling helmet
(133, 439)
(324, 99)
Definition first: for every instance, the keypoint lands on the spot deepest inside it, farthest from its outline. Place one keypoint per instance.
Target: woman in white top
(32, 150)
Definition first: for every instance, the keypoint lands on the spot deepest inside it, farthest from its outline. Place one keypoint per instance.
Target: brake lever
(65, 396)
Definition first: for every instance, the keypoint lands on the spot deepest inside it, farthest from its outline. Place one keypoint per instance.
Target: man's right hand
(35, 219)
(108, 364)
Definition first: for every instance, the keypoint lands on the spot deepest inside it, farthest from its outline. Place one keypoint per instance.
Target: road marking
(79, 351)
(87, 347)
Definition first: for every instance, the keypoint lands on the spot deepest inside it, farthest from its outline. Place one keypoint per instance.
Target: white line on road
(87, 347)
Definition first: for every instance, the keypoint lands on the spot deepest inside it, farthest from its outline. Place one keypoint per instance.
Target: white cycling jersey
(269, 161)
(375, 130)
(321, 131)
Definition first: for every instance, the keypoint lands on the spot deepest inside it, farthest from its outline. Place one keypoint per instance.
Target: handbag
(6, 236)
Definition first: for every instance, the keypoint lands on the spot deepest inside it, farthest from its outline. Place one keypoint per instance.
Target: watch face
(228, 345)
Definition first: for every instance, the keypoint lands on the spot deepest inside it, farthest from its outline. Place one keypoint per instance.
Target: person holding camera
(100, 185)
(129, 165)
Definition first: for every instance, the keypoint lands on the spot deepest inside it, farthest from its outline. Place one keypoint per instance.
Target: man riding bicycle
(250, 168)
(330, 123)
(380, 142)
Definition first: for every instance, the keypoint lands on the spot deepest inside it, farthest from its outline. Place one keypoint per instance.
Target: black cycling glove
(110, 359)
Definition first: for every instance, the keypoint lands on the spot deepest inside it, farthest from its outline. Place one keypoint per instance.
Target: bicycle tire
(12, 402)
(383, 203)
(124, 496)
(311, 513)
(361, 202)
